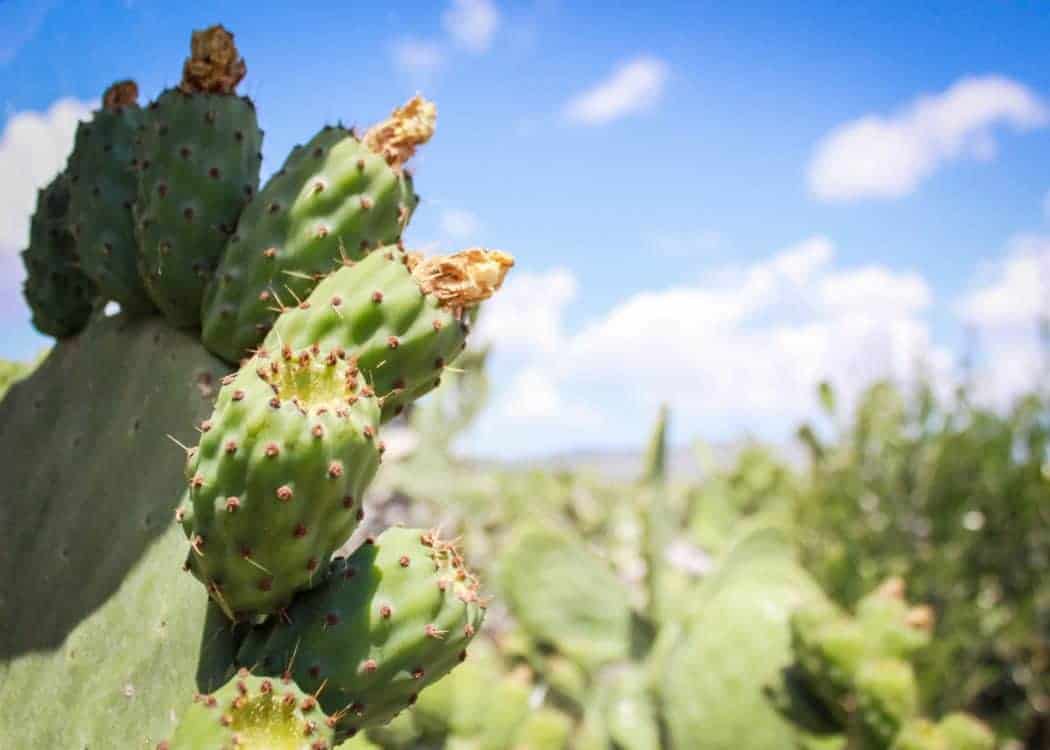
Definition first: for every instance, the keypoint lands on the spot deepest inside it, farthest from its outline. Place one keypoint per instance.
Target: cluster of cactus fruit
(333, 328)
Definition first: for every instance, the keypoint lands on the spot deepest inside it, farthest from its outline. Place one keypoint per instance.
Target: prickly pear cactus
(399, 315)
(198, 154)
(334, 199)
(57, 291)
(712, 681)
(253, 713)
(277, 480)
(87, 523)
(389, 620)
(103, 186)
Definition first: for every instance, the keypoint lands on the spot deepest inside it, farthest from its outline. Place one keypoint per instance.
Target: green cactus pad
(276, 482)
(57, 291)
(713, 682)
(398, 316)
(103, 187)
(391, 619)
(334, 199)
(563, 595)
(253, 713)
(99, 627)
(198, 166)
(545, 729)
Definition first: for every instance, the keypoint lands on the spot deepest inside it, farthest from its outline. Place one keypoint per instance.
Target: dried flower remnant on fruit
(463, 279)
(120, 94)
(397, 137)
(214, 65)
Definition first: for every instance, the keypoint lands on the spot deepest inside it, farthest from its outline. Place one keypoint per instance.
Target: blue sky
(711, 204)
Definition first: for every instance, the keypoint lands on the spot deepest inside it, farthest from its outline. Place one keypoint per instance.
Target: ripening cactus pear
(389, 620)
(253, 713)
(400, 316)
(198, 158)
(57, 291)
(335, 198)
(103, 187)
(276, 481)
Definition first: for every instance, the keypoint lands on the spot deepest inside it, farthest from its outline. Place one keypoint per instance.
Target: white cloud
(459, 225)
(1004, 313)
(1019, 291)
(880, 156)
(418, 56)
(633, 87)
(33, 149)
(472, 23)
(742, 349)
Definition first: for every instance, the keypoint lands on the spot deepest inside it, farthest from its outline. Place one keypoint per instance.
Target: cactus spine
(198, 156)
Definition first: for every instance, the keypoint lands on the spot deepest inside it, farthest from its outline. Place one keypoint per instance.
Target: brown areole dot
(284, 493)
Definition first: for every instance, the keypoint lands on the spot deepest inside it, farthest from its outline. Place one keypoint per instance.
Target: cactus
(198, 156)
(563, 596)
(389, 620)
(953, 732)
(57, 291)
(334, 199)
(253, 713)
(103, 186)
(398, 315)
(276, 482)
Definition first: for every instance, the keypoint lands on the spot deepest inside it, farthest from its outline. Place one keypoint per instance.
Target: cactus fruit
(276, 482)
(198, 157)
(398, 316)
(103, 186)
(885, 696)
(893, 627)
(334, 199)
(57, 291)
(953, 732)
(253, 713)
(389, 620)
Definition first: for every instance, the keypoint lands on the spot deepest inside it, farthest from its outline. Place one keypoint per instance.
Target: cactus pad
(198, 155)
(103, 188)
(57, 291)
(391, 619)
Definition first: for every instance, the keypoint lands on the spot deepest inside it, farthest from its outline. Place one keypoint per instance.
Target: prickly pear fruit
(103, 186)
(276, 481)
(399, 316)
(892, 626)
(389, 620)
(886, 695)
(57, 291)
(253, 713)
(334, 199)
(198, 156)
(829, 648)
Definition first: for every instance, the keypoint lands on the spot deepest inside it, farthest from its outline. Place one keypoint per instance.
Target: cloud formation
(633, 87)
(742, 349)
(888, 156)
(459, 224)
(33, 149)
(471, 23)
